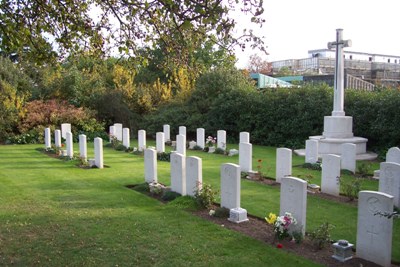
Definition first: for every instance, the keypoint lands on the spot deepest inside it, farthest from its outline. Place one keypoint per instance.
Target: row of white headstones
(374, 232)
(66, 133)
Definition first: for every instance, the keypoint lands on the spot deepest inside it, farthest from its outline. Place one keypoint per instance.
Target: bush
(196, 147)
(205, 196)
(322, 235)
(221, 212)
(170, 195)
(144, 187)
(280, 117)
(120, 147)
(220, 151)
(164, 156)
(364, 168)
(312, 166)
(351, 188)
(42, 114)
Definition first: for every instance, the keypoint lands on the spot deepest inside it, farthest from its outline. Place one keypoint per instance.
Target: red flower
(279, 245)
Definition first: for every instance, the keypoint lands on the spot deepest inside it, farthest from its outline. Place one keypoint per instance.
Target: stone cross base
(333, 145)
(238, 215)
(338, 127)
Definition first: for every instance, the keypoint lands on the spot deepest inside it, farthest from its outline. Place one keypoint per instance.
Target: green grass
(55, 214)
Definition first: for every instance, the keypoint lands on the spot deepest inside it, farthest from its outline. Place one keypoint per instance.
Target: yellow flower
(271, 218)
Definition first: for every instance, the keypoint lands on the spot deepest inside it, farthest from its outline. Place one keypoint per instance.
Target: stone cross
(338, 99)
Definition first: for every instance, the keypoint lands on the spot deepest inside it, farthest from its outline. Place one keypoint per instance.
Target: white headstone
(374, 232)
(194, 175)
(221, 139)
(65, 127)
(126, 139)
(57, 138)
(182, 130)
(393, 155)
(112, 132)
(70, 145)
(330, 181)
(348, 157)
(160, 142)
(389, 180)
(293, 199)
(178, 173)
(181, 144)
(98, 152)
(141, 140)
(246, 157)
(244, 137)
(118, 131)
(230, 186)
(283, 163)
(82, 147)
(166, 130)
(200, 140)
(192, 144)
(311, 151)
(150, 166)
(47, 138)
(233, 152)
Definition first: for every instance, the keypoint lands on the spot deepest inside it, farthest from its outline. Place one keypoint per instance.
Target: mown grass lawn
(55, 214)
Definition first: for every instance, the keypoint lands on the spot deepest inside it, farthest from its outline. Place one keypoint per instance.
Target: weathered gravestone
(393, 155)
(57, 138)
(112, 133)
(160, 142)
(200, 140)
(293, 199)
(194, 175)
(47, 138)
(150, 166)
(192, 144)
(178, 173)
(82, 147)
(374, 232)
(70, 145)
(389, 181)
(283, 163)
(166, 130)
(141, 140)
(245, 157)
(221, 139)
(181, 144)
(118, 131)
(230, 192)
(182, 130)
(65, 127)
(348, 157)
(311, 151)
(98, 153)
(244, 137)
(126, 138)
(330, 181)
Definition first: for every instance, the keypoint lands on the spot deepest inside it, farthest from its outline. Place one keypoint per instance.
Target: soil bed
(257, 228)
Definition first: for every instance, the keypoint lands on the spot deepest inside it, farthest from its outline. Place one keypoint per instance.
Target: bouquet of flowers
(281, 224)
(210, 141)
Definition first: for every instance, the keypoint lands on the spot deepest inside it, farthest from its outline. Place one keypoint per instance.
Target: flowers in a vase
(281, 224)
(210, 141)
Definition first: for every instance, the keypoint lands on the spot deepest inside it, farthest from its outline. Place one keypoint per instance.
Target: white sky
(293, 27)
